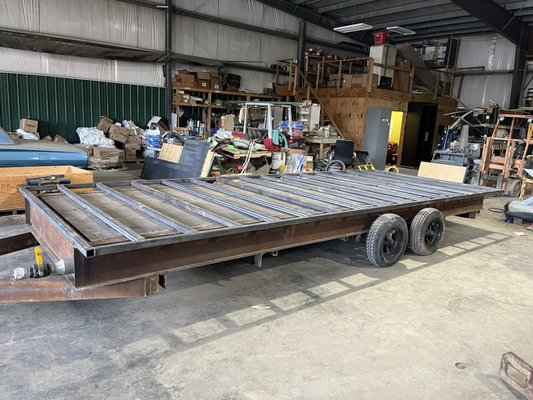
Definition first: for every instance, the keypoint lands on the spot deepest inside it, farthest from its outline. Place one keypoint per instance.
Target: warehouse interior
(266, 199)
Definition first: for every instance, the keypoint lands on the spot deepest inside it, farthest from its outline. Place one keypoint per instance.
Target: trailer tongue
(119, 239)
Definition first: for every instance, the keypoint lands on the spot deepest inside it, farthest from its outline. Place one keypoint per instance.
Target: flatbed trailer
(120, 239)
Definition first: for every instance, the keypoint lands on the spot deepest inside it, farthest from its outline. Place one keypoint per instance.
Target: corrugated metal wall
(62, 105)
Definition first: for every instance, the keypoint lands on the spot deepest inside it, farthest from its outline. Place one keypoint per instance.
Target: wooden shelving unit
(212, 98)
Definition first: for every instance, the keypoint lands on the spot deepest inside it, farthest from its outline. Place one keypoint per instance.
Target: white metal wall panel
(109, 21)
(29, 62)
(112, 21)
(479, 91)
(493, 52)
(20, 14)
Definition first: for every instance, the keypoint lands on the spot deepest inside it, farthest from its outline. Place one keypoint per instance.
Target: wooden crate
(12, 178)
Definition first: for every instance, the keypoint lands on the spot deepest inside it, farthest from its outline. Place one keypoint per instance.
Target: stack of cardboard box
(128, 140)
(128, 145)
(200, 80)
(185, 80)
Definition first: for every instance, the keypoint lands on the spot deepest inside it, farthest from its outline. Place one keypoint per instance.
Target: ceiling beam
(445, 22)
(310, 16)
(425, 18)
(340, 5)
(397, 9)
(301, 12)
(440, 35)
(507, 24)
(440, 30)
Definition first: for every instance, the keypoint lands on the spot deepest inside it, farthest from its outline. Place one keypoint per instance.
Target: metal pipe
(168, 64)
(301, 44)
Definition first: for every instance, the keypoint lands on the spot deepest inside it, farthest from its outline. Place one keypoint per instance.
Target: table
(321, 142)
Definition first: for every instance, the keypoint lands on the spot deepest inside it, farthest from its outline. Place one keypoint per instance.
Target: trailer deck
(119, 239)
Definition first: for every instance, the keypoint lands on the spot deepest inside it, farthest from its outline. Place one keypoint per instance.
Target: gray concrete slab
(317, 322)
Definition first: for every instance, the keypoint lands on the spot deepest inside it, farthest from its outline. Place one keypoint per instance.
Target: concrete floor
(316, 322)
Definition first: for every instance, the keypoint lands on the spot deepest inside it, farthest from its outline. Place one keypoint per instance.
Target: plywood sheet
(13, 178)
(451, 173)
(171, 152)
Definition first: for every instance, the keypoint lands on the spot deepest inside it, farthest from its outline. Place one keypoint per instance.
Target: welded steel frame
(138, 259)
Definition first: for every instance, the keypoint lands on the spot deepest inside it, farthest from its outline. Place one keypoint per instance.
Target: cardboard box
(228, 122)
(358, 81)
(297, 151)
(60, 139)
(119, 134)
(134, 142)
(13, 178)
(185, 80)
(205, 75)
(47, 137)
(29, 125)
(215, 83)
(204, 83)
(104, 124)
(136, 131)
(107, 152)
(86, 148)
(107, 157)
(130, 154)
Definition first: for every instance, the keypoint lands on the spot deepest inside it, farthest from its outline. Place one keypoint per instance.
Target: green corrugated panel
(61, 105)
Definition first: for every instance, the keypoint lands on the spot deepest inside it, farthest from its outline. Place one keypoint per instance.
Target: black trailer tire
(427, 231)
(386, 240)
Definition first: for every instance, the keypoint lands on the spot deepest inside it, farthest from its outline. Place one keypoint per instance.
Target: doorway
(419, 134)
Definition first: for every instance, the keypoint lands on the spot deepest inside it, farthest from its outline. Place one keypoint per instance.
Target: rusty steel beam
(58, 288)
(18, 242)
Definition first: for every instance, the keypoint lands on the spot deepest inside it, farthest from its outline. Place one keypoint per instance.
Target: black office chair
(343, 156)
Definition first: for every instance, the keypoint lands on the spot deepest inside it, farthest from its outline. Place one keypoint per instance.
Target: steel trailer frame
(119, 239)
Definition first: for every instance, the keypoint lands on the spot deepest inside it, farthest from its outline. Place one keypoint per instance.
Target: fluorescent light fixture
(360, 26)
(400, 30)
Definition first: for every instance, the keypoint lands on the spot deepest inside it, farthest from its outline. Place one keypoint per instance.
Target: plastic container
(153, 139)
(297, 131)
(381, 37)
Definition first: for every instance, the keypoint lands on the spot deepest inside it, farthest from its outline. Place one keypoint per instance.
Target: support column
(301, 44)
(519, 71)
(168, 63)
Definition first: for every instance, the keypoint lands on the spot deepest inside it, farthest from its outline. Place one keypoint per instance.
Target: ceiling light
(400, 30)
(353, 27)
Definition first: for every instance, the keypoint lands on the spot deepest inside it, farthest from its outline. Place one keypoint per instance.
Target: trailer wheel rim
(433, 233)
(391, 242)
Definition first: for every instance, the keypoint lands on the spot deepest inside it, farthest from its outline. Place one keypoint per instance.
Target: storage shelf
(213, 96)
(240, 94)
